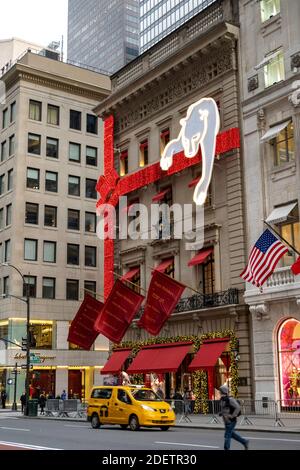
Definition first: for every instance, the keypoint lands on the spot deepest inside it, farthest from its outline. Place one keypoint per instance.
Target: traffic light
(24, 344)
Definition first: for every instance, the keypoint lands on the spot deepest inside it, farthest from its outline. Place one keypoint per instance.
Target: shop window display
(289, 361)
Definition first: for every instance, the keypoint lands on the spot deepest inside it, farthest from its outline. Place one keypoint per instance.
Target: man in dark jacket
(230, 409)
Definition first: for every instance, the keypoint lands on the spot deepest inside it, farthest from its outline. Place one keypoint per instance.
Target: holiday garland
(200, 376)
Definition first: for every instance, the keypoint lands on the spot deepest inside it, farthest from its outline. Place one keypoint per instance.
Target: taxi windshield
(145, 395)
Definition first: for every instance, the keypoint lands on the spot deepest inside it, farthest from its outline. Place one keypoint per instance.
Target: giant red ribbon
(82, 330)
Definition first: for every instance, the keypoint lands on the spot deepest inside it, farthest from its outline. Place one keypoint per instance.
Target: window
(123, 397)
(91, 124)
(207, 275)
(74, 186)
(1, 225)
(34, 144)
(73, 254)
(284, 146)
(164, 139)
(290, 231)
(48, 288)
(90, 288)
(10, 180)
(13, 112)
(52, 147)
(90, 188)
(124, 163)
(74, 152)
(49, 255)
(72, 289)
(274, 70)
(30, 281)
(8, 214)
(104, 393)
(73, 219)
(7, 251)
(90, 256)
(33, 178)
(75, 120)
(53, 115)
(6, 285)
(144, 153)
(51, 181)
(3, 151)
(288, 359)
(91, 156)
(30, 249)
(269, 8)
(90, 222)
(31, 213)
(5, 118)
(35, 110)
(170, 269)
(41, 337)
(11, 149)
(50, 216)
(2, 188)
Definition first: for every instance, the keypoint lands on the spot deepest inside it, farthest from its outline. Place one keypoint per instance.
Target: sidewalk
(291, 425)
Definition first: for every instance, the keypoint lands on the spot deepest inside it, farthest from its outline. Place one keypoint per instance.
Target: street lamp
(27, 301)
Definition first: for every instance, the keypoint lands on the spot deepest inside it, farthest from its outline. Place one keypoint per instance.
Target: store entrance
(42, 381)
(76, 384)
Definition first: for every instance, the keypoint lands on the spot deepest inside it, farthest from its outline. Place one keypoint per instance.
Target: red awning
(116, 361)
(164, 265)
(124, 155)
(208, 354)
(194, 182)
(165, 133)
(200, 257)
(159, 196)
(131, 273)
(160, 358)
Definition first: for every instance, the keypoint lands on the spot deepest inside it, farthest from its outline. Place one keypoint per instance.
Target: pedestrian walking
(3, 399)
(230, 409)
(42, 402)
(63, 395)
(23, 401)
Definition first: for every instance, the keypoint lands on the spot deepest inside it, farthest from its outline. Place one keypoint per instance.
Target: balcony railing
(281, 277)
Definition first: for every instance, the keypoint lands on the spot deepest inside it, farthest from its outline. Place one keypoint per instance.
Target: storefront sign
(82, 331)
(42, 358)
(118, 312)
(163, 295)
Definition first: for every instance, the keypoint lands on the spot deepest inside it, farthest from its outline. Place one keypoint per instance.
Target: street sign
(35, 359)
(23, 366)
(9, 381)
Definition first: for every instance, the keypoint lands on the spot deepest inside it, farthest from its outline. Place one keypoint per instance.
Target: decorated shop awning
(200, 257)
(159, 196)
(160, 358)
(116, 361)
(280, 214)
(274, 131)
(164, 265)
(131, 273)
(208, 354)
(194, 182)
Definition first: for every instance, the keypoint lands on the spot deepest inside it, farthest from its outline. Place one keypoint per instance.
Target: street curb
(192, 426)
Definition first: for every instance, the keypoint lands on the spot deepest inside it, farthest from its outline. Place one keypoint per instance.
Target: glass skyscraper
(160, 17)
(103, 33)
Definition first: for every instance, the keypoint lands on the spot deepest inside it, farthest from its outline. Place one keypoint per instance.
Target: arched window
(289, 360)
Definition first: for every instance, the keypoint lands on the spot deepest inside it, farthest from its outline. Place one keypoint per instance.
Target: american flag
(263, 258)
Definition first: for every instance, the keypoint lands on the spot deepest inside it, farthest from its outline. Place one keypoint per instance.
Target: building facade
(270, 64)
(51, 147)
(105, 34)
(149, 97)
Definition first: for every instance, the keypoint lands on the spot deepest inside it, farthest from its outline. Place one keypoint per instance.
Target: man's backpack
(231, 408)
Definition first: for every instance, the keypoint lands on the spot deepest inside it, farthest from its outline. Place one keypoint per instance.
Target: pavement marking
(183, 444)
(14, 429)
(27, 446)
(272, 439)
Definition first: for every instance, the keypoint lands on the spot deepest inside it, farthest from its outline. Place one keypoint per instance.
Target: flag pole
(187, 287)
(132, 283)
(283, 239)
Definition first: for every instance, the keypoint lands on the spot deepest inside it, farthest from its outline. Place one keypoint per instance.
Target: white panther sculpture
(199, 127)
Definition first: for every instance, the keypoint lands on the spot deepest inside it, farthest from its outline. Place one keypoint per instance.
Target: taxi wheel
(124, 426)
(164, 428)
(95, 422)
(134, 423)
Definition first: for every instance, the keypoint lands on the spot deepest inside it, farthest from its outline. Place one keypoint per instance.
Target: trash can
(33, 407)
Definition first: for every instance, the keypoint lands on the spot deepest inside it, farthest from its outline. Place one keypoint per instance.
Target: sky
(37, 21)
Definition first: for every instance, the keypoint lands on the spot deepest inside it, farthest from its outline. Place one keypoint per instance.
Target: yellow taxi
(128, 406)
